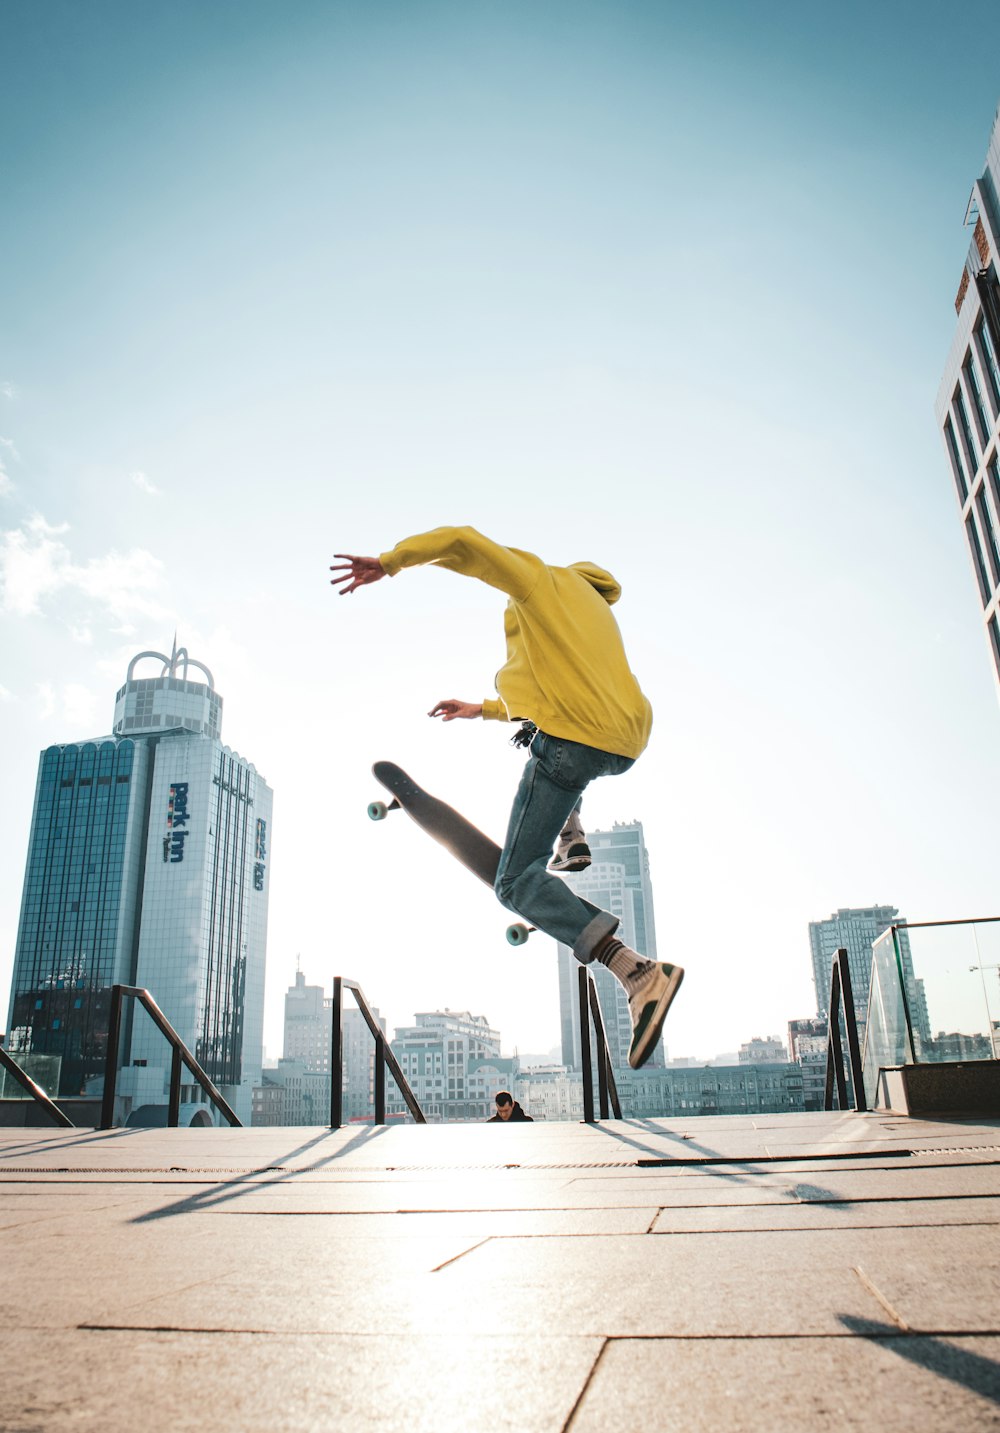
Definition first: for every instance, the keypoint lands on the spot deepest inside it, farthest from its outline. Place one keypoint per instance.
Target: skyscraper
(147, 865)
(855, 929)
(618, 881)
(968, 401)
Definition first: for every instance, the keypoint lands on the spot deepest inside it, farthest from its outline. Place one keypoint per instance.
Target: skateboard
(464, 841)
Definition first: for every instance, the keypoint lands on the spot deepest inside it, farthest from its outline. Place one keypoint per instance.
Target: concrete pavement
(772, 1272)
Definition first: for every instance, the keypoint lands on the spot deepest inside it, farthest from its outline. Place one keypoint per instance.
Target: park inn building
(148, 865)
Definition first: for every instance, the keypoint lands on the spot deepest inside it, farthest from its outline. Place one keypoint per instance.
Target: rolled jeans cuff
(594, 933)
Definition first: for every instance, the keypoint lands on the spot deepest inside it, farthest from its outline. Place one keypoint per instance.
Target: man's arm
(464, 550)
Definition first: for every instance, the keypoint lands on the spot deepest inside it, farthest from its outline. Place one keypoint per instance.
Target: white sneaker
(572, 852)
(651, 988)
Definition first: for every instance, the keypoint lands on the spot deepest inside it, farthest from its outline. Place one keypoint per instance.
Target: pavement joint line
(876, 1333)
(578, 1403)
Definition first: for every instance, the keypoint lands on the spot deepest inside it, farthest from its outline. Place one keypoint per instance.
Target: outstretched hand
(357, 571)
(451, 709)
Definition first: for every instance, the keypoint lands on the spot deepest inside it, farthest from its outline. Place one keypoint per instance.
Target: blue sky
(665, 288)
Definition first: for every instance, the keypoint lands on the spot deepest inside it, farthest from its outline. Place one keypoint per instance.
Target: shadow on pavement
(971, 1370)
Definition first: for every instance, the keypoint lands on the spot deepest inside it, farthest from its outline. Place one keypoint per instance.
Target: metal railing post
(111, 1060)
(337, 1056)
(834, 1049)
(583, 980)
(380, 1080)
(606, 1075)
(851, 1023)
(174, 1108)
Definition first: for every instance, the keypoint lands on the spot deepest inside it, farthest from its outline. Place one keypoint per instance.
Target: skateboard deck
(459, 837)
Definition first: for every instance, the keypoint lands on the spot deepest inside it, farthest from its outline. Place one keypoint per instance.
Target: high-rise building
(308, 1041)
(855, 929)
(618, 881)
(308, 1028)
(968, 400)
(147, 865)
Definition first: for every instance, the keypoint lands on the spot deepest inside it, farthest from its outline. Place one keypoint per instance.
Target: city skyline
(669, 291)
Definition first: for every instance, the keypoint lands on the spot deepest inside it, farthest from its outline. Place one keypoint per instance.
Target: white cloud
(46, 700)
(6, 486)
(79, 707)
(73, 705)
(8, 390)
(5, 695)
(9, 444)
(145, 484)
(36, 564)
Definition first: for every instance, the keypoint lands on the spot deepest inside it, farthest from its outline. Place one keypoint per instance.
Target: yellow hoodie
(566, 666)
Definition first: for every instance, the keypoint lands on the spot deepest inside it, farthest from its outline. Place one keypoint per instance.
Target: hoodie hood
(599, 579)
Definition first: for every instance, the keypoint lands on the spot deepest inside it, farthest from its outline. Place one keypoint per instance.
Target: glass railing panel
(887, 1038)
(953, 989)
(43, 1069)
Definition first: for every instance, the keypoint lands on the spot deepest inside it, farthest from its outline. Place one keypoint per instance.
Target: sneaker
(570, 857)
(572, 852)
(651, 987)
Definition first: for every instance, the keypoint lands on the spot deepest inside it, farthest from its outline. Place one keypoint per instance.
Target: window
(995, 642)
(972, 381)
(958, 468)
(978, 560)
(989, 353)
(989, 532)
(971, 451)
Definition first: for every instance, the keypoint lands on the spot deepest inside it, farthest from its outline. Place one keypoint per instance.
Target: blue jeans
(555, 777)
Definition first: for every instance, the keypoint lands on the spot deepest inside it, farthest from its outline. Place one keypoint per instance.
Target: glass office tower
(147, 865)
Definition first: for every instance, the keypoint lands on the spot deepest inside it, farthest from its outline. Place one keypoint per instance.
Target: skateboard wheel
(377, 810)
(517, 934)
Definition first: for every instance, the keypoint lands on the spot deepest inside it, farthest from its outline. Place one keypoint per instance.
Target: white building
(452, 1063)
(148, 865)
(769, 1051)
(968, 400)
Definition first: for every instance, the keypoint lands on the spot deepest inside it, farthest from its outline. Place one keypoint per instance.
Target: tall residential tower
(147, 865)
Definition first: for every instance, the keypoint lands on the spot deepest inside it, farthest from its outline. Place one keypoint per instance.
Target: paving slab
(893, 1384)
(114, 1382)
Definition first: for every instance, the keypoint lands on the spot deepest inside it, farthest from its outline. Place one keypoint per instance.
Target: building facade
(968, 400)
(148, 864)
(452, 1063)
(618, 881)
(807, 1042)
(855, 929)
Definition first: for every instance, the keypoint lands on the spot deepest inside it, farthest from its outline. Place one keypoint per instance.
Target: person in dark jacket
(508, 1109)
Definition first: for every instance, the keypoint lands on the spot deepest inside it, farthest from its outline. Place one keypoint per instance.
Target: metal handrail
(842, 999)
(35, 1091)
(181, 1056)
(590, 1005)
(383, 1057)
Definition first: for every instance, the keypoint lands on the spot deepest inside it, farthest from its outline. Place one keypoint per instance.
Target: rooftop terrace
(807, 1271)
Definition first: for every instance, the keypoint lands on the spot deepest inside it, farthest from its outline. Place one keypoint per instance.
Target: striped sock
(622, 962)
